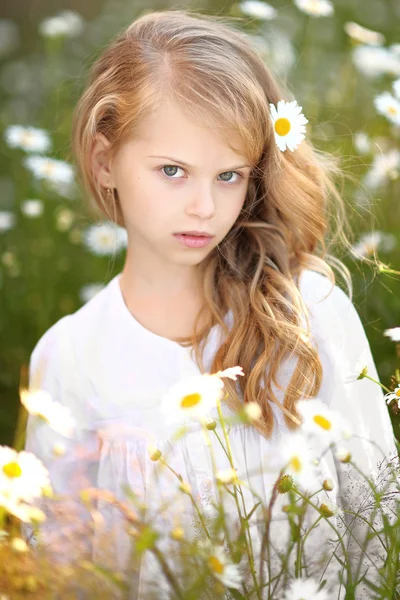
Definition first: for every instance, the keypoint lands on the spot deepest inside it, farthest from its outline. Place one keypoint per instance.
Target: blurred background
(340, 60)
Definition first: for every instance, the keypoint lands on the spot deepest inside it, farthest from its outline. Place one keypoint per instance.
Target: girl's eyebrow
(175, 160)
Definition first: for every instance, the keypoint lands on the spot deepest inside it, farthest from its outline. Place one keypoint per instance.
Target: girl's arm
(344, 350)
(54, 369)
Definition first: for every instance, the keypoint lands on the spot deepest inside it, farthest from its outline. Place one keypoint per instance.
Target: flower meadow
(342, 62)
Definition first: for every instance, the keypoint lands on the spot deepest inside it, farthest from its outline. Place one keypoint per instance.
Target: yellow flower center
(48, 168)
(392, 110)
(282, 126)
(216, 565)
(190, 400)
(295, 463)
(397, 393)
(322, 422)
(12, 470)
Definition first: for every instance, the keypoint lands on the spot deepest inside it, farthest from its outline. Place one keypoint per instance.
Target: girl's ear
(101, 160)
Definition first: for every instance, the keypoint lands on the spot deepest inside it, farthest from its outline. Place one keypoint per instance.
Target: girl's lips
(192, 241)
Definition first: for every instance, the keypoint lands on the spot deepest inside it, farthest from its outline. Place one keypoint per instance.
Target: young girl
(180, 137)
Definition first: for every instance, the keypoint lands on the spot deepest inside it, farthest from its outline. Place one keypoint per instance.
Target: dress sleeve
(344, 350)
(54, 369)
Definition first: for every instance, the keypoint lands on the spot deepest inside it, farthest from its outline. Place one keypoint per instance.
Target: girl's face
(175, 176)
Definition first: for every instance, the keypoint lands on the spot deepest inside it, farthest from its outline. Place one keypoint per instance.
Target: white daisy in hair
(67, 23)
(393, 334)
(32, 208)
(395, 395)
(289, 124)
(89, 291)
(220, 565)
(315, 8)
(257, 9)
(23, 477)
(300, 589)
(388, 106)
(7, 220)
(39, 403)
(363, 35)
(30, 139)
(318, 419)
(50, 169)
(105, 238)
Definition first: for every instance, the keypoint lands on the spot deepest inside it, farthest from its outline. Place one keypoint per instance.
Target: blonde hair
(291, 205)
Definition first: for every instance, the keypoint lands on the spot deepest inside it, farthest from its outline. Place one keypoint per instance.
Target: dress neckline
(131, 320)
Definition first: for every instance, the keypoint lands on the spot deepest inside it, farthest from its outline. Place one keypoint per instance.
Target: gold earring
(109, 193)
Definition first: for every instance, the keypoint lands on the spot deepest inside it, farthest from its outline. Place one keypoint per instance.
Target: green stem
(378, 382)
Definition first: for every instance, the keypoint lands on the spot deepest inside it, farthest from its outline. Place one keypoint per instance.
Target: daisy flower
(23, 477)
(221, 567)
(396, 88)
(369, 244)
(39, 403)
(27, 138)
(259, 10)
(32, 208)
(374, 61)
(7, 220)
(385, 166)
(393, 334)
(24, 512)
(196, 396)
(318, 419)
(299, 589)
(227, 476)
(361, 366)
(289, 124)
(105, 238)
(64, 219)
(315, 8)
(363, 35)
(89, 291)
(298, 460)
(395, 395)
(67, 23)
(53, 170)
(388, 106)
(362, 143)
(328, 509)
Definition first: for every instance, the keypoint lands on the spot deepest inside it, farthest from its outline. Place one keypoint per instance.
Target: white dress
(112, 372)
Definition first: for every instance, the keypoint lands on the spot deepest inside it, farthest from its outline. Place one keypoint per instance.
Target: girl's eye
(166, 172)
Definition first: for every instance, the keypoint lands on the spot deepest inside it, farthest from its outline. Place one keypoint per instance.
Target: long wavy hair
(292, 211)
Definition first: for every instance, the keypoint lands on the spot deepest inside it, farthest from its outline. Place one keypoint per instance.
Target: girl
(180, 137)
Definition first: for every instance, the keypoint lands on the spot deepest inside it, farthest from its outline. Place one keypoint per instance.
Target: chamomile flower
(361, 34)
(219, 564)
(385, 166)
(355, 371)
(23, 477)
(195, 397)
(105, 238)
(299, 462)
(257, 9)
(388, 106)
(289, 124)
(395, 395)
(39, 403)
(89, 291)
(315, 8)
(32, 208)
(328, 509)
(396, 88)
(370, 243)
(319, 420)
(50, 169)
(362, 142)
(374, 61)
(30, 139)
(227, 476)
(393, 334)
(7, 220)
(299, 589)
(65, 24)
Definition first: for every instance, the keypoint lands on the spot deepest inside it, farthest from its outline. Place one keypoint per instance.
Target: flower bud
(325, 511)
(285, 484)
(343, 455)
(211, 425)
(185, 488)
(177, 534)
(363, 373)
(328, 485)
(154, 453)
